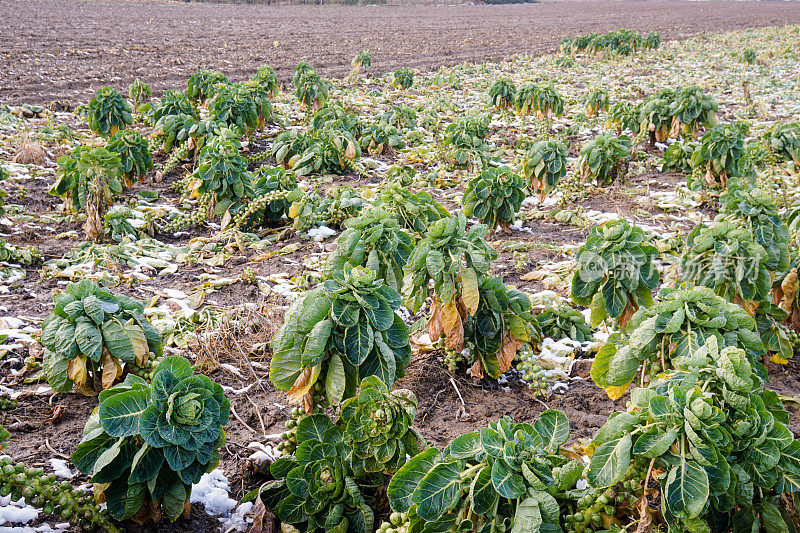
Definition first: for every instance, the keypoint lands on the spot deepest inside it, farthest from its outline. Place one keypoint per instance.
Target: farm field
(50, 51)
(552, 238)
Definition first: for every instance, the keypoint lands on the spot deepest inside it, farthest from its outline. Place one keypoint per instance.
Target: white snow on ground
(212, 491)
(44, 528)
(60, 469)
(16, 512)
(321, 233)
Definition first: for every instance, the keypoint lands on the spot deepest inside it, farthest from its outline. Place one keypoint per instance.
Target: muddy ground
(66, 49)
(50, 425)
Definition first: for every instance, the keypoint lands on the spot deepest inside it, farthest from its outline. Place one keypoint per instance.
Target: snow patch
(16, 512)
(60, 469)
(213, 492)
(321, 233)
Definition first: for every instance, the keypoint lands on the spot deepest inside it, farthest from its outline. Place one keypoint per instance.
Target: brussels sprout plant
(88, 179)
(376, 240)
(720, 152)
(363, 59)
(784, 142)
(725, 257)
(718, 439)
(604, 159)
(201, 86)
(144, 446)
(134, 154)
(545, 164)
(503, 94)
(92, 336)
(505, 475)
(502, 325)
(615, 272)
(342, 331)
(494, 197)
(403, 78)
(108, 112)
(310, 89)
(596, 101)
(682, 320)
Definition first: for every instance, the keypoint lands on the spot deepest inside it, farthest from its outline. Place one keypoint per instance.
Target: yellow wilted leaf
(518, 329)
(469, 290)
(777, 359)
(140, 348)
(615, 392)
(196, 299)
(194, 186)
(750, 306)
(294, 209)
(453, 327)
(350, 152)
(111, 370)
(77, 372)
(789, 286)
(303, 384)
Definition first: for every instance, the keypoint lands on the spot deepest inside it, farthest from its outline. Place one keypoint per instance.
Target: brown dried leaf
(645, 516)
(226, 219)
(507, 351)
(476, 371)
(435, 329)
(264, 521)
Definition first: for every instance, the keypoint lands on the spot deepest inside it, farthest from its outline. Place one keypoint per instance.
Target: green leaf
(528, 518)
(614, 297)
(335, 380)
(439, 490)
(654, 442)
(313, 427)
(610, 461)
(87, 452)
(178, 366)
(316, 306)
(55, 369)
(687, 489)
(406, 480)
(466, 446)
(553, 427)
(358, 341)
(491, 442)
(117, 341)
(772, 520)
(146, 464)
(506, 482)
(120, 413)
(174, 500)
(482, 493)
(434, 262)
(317, 341)
(89, 339)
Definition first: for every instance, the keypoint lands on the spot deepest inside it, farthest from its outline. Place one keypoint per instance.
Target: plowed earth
(66, 49)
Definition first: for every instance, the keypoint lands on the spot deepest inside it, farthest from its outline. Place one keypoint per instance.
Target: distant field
(67, 49)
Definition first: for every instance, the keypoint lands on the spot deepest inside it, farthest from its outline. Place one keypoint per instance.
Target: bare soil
(66, 49)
